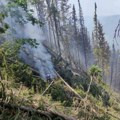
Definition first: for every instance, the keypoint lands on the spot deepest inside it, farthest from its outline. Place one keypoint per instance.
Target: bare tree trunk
(52, 24)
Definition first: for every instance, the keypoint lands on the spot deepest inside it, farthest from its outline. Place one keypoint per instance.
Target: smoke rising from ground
(38, 58)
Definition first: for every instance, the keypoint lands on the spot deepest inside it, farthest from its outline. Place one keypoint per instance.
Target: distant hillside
(109, 24)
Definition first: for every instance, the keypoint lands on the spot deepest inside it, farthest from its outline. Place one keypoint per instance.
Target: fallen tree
(50, 115)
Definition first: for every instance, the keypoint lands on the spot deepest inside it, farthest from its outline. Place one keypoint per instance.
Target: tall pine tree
(101, 47)
(84, 41)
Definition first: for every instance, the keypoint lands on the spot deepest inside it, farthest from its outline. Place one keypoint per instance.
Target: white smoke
(38, 58)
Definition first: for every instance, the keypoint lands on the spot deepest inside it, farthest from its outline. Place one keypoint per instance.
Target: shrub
(95, 90)
(96, 72)
(58, 93)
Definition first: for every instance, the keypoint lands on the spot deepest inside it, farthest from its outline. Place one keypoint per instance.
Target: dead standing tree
(117, 32)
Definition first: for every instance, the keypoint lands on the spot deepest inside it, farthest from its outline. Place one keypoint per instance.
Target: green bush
(103, 117)
(68, 102)
(95, 90)
(91, 116)
(59, 94)
(96, 72)
(106, 99)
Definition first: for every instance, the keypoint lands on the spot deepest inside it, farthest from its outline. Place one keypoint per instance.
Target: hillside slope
(85, 100)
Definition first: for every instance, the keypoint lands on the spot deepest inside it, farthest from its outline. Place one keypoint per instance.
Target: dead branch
(69, 86)
(31, 111)
(48, 87)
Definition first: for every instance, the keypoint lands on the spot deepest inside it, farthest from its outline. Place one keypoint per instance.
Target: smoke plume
(38, 58)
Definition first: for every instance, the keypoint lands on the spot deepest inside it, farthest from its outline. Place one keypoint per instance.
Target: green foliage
(100, 93)
(95, 71)
(67, 75)
(58, 93)
(33, 20)
(41, 105)
(11, 49)
(2, 30)
(2, 91)
(12, 68)
(21, 3)
(79, 82)
(81, 114)
(3, 26)
(106, 99)
(103, 117)
(85, 115)
(95, 90)
(101, 46)
(24, 17)
(17, 115)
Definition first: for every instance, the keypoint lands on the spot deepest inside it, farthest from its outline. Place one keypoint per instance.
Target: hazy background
(105, 7)
(108, 12)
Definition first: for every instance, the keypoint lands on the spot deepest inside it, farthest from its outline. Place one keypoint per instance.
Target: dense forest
(52, 67)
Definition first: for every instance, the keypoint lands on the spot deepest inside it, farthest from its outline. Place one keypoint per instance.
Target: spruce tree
(84, 41)
(75, 36)
(95, 32)
(101, 47)
(55, 17)
(65, 27)
(74, 17)
(113, 56)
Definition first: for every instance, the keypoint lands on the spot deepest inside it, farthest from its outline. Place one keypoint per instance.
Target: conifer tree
(101, 47)
(3, 25)
(53, 13)
(74, 17)
(75, 36)
(84, 41)
(113, 56)
(65, 27)
(95, 32)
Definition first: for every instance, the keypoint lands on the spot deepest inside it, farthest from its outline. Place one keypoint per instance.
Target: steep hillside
(24, 95)
(49, 69)
(58, 102)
